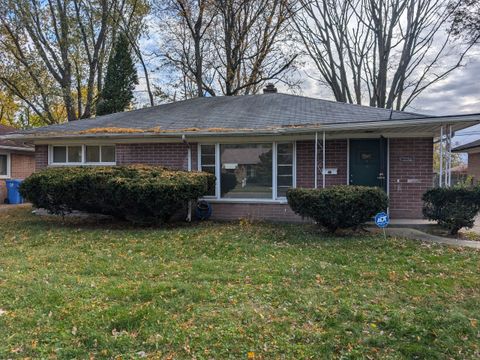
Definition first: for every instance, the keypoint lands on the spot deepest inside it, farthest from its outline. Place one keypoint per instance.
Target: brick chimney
(270, 89)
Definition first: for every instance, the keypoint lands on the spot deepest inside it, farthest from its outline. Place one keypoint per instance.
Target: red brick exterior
(474, 166)
(411, 163)
(305, 164)
(273, 212)
(173, 155)
(335, 157)
(22, 165)
(41, 157)
(411, 174)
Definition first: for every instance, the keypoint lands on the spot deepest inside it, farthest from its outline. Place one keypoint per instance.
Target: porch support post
(450, 158)
(440, 178)
(316, 160)
(448, 151)
(323, 161)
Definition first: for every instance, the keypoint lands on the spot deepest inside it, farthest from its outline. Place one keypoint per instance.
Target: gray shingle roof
(236, 112)
(4, 130)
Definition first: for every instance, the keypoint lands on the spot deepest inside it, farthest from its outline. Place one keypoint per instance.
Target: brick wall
(41, 157)
(411, 174)
(335, 157)
(23, 165)
(305, 164)
(172, 155)
(474, 166)
(272, 212)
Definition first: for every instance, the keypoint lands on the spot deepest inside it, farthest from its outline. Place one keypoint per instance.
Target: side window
(82, 154)
(59, 154)
(207, 161)
(284, 168)
(4, 165)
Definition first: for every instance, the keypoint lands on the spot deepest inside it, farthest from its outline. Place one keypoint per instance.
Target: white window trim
(9, 166)
(274, 199)
(83, 162)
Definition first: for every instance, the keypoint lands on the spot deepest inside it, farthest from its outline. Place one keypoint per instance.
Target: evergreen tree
(120, 80)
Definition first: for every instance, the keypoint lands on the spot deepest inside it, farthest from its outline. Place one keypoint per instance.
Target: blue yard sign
(382, 220)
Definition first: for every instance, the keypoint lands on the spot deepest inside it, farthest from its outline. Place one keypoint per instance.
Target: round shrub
(145, 194)
(453, 208)
(341, 206)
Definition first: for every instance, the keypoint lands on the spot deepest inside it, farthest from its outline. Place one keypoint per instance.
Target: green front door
(368, 162)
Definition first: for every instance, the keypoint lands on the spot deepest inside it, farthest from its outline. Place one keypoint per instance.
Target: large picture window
(256, 171)
(82, 155)
(246, 171)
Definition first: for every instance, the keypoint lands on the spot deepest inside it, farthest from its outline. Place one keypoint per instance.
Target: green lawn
(218, 291)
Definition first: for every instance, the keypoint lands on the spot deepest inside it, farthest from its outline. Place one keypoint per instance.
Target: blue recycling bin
(13, 192)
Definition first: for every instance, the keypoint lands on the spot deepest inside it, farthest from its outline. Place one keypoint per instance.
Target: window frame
(83, 161)
(9, 166)
(274, 199)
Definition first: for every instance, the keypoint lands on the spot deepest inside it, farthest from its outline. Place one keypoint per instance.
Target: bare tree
(384, 52)
(228, 47)
(466, 19)
(252, 44)
(187, 26)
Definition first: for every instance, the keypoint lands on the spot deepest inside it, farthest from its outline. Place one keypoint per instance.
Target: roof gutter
(259, 132)
(16, 148)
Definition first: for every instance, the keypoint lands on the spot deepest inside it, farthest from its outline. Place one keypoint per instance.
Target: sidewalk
(415, 234)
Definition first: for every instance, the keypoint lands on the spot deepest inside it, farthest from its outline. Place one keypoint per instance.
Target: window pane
(246, 171)
(208, 154)
(92, 154)
(3, 165)
(207, 161)
(74, 154)
(108, 154)
(284, 168)
(59, 154)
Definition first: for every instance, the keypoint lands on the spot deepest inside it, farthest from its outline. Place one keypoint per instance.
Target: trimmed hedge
(453, 208)
(341, 206)
(144, 194)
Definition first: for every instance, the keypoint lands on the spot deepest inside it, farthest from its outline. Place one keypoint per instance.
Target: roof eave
(403, 123)
(17, 148)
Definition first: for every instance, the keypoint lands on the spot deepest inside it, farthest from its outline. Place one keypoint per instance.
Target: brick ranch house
(268, 143)
(17, 160)
(473, 152)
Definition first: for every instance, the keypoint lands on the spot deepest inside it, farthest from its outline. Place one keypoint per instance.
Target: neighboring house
(17, 160)
(269, 142)
(473, 151)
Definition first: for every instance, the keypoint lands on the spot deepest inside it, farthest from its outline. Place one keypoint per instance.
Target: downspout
(441, 158)
(316, 159)
(189, 168)
(323, 161)
(449, 165)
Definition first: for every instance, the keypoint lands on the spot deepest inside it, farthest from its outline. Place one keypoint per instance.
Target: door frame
(388, 162)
